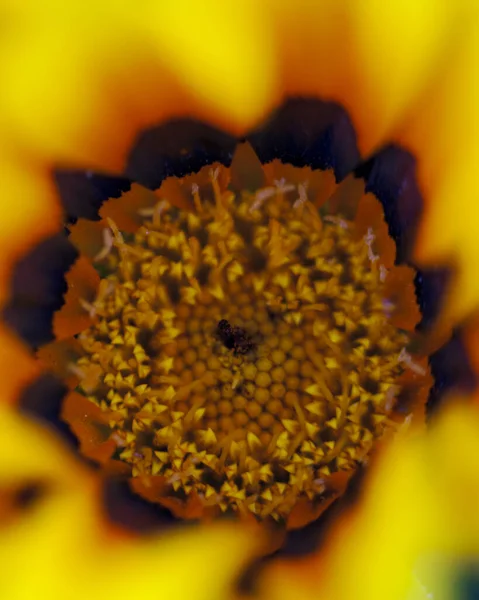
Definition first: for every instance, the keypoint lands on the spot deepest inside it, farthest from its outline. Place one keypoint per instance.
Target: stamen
(388, 307)
(369, 239)
(117, 235)
(107, 246)
(219, 199)
(282, 187)
(406, 358)
(383, 273)
(195, 190)
(118, 439)
(88, 375)
(260, 198)
(155, 211)
(335, 220)
(90, 308)
(75, 370)
(391, 396)
(303, 196)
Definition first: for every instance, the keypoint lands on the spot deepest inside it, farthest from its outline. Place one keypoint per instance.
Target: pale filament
(303, 196)
(335, 220)
(406, 358)
(107, 245)
(369, 239)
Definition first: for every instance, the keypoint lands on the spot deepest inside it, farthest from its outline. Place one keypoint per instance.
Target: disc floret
(241, 349)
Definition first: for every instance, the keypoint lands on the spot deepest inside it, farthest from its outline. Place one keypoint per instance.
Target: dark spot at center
(234, 338)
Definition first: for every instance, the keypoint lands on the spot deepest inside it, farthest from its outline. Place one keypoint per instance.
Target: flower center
(243, 349)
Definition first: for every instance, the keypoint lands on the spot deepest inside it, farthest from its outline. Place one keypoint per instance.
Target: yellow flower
(82, 85)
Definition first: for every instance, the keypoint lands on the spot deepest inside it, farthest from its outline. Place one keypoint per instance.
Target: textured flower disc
(244, 347)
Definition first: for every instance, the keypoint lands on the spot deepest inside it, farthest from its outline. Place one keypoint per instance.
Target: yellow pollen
(242, 351)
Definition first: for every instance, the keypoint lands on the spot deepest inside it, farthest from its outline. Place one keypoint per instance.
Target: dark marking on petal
(20, 496)
(29, 494)
(430, 285)
(131, 512)
(308, 132)
(83, 192)
(177, 148)
(452, 371)
(43, 399)
(391, 176)
(37, 289)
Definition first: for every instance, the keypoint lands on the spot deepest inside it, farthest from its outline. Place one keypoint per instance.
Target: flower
(62, 106)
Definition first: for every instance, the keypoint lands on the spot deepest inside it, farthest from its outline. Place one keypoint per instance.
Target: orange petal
(345, 199)
(87, 237)
(399, 289)
(90, 425)
(413, 394)
(58, 356)
(124, 211)
(370, 213)
(246, 169)
(178, 193)
(82, 281)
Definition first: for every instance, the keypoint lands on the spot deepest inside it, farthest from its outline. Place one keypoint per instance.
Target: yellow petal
(223, 51)
(30, 453)
(50, 555)
(373, 57)
(60, 548)
(79, 82)
(443, 132)
(400, 45)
